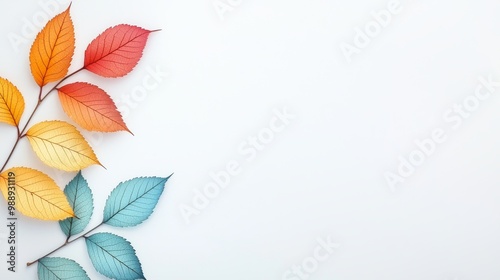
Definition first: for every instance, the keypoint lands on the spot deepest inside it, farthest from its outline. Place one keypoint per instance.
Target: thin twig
(22, 132)
(67, 242)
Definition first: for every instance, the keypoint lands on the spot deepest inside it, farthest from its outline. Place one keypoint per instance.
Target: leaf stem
(60, 82)
(31, 116)
(22, 132)
(11, 152)
(67, 242)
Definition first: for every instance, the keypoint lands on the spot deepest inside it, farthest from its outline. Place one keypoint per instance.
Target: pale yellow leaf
(60, 145)
(36, 195)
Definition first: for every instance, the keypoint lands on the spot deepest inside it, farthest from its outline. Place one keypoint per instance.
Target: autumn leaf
(52, 50)
(60, 145)
(91, 108)
(11, 103)
(36, 194)
(116, 51)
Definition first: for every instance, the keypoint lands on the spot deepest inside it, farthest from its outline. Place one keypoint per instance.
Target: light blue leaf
(80, 198)
(113, 256)
(133, 201)
(60, 269)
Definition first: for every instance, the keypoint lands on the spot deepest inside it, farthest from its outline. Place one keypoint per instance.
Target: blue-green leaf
(60, 269)
(133, 201)
(113, 256)
(80, 198)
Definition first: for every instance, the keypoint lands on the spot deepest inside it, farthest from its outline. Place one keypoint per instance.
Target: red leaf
(91, 108)
(116, 51)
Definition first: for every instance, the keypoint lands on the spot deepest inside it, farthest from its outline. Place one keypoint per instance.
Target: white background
(323, 175)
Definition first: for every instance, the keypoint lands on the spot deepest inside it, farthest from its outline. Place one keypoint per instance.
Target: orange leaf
(91, 107)
(60, 145)
(53, 49)
(36, 195)
(116, 51)
(11, 103)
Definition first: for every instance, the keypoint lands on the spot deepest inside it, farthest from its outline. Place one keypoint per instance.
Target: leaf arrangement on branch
(60, 145)
(129, 204)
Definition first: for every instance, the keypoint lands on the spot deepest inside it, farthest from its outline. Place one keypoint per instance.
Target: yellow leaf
(36, 195)
(60, 145)
(52, 50)
(11, 103)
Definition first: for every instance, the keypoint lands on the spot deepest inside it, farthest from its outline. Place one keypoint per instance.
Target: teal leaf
(133, 201)
(113, 256)
(80, 198)
(60, 269)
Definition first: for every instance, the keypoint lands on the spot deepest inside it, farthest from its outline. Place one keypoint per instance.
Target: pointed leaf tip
(82, 202)
(133, 201)
(60, 145)
(52, 51)
(91, 108)
(116, 51)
